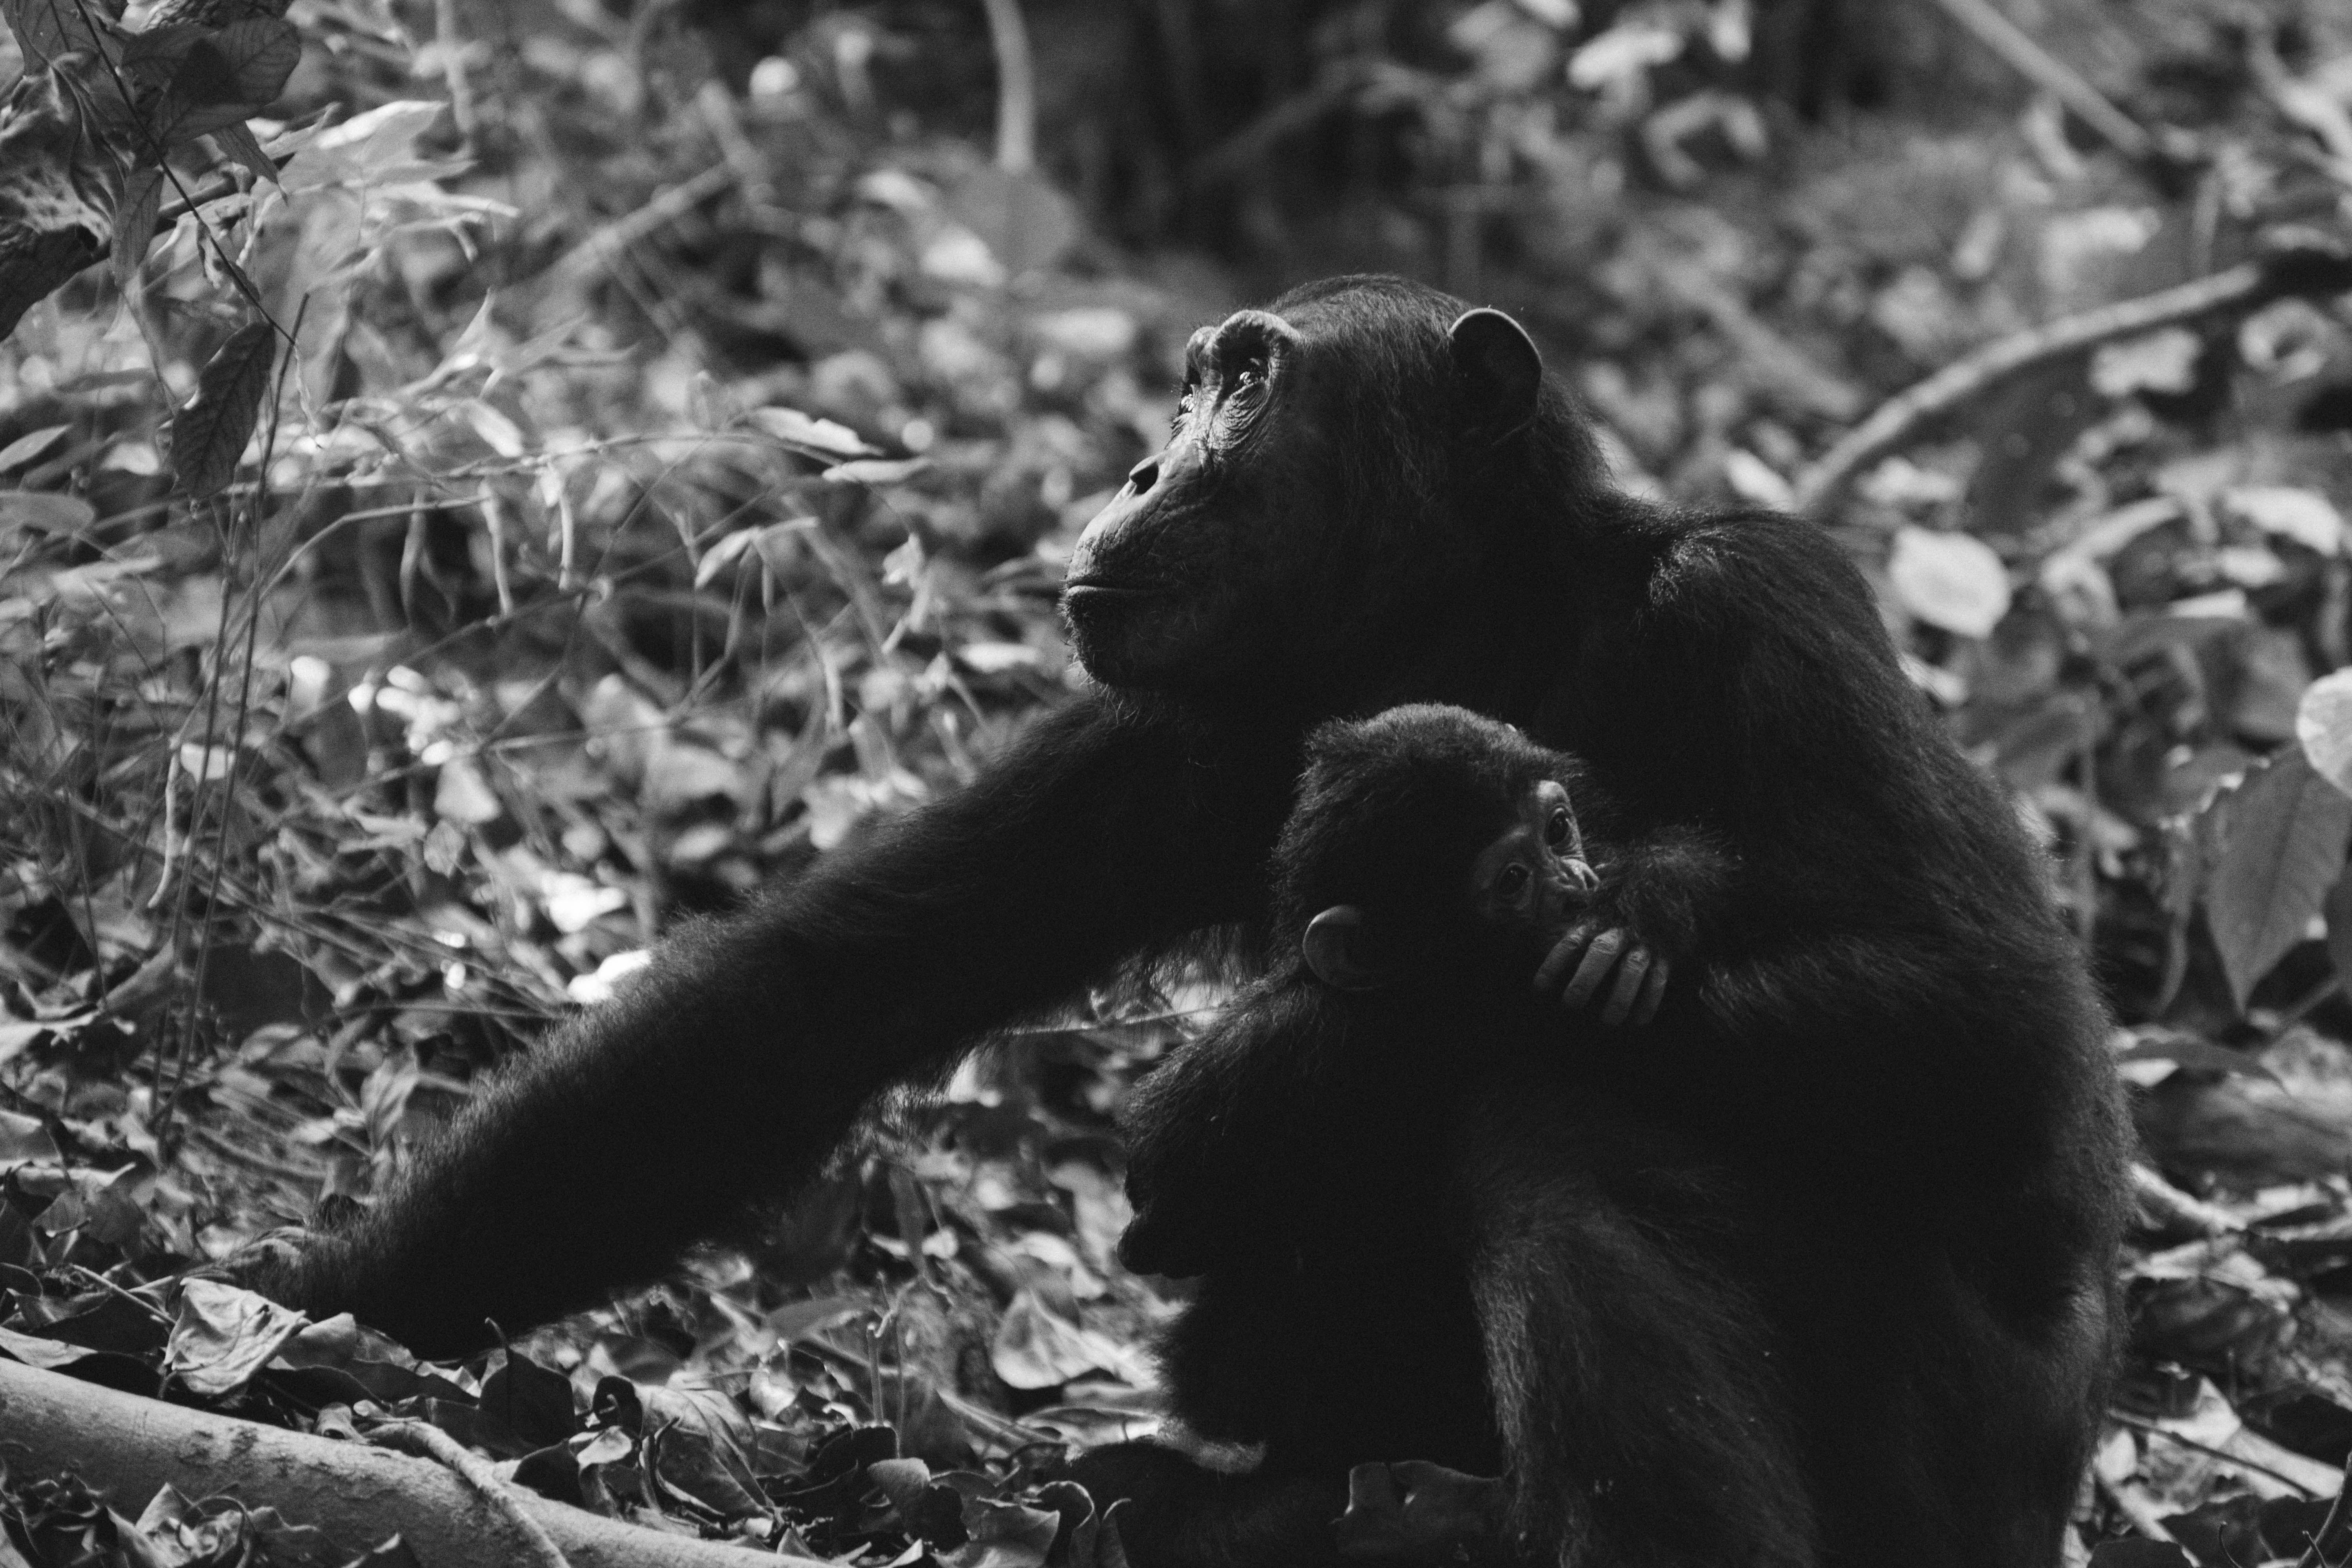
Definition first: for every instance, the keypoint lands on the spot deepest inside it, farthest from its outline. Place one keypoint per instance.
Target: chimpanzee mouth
(1094, 591)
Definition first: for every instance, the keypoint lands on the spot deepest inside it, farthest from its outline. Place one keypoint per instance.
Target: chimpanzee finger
(1654, 991)
(1568, 949)
(1628, 989)
(1599, 959)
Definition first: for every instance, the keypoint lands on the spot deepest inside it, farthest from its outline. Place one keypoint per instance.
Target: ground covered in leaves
(598, 474)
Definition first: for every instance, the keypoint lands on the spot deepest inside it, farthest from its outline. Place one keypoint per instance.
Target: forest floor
(670, 478)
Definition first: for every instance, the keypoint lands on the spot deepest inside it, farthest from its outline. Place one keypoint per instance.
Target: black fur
(1907, 1044)
(1428, 1225)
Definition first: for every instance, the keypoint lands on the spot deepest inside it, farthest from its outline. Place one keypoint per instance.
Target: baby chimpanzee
(1426, 1225)
(1435, 861)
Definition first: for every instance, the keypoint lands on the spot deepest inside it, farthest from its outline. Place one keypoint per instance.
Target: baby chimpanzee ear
(1499, 371)
(1334, 948)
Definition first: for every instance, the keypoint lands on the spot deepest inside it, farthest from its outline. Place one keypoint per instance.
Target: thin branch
(2304, 272)
(2334, 1540)
(601, 247)
(2037, 65)
(2166, 1202)
(1016, 88)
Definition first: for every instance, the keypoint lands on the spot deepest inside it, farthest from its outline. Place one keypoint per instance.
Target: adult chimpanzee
(1373, 497)
(1422, 1226)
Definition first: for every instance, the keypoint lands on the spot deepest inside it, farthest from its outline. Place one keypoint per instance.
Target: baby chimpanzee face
(1533, 876)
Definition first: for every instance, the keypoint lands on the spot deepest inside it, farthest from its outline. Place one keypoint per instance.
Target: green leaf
(2282, 834)
(134, 224)
(209, 435)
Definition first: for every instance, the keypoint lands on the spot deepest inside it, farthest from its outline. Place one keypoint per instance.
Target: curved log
(127, 1447)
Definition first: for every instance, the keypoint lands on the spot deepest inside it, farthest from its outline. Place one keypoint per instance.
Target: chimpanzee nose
(1143, 476)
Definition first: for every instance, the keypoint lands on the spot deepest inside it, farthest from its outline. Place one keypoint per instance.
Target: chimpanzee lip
(1097, 588)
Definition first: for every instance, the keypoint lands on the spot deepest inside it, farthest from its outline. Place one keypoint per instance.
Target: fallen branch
(2300, 272)
(356, 1496)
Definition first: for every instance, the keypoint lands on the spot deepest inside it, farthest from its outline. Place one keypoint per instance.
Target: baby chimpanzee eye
(1556, 830)
(1513, 879)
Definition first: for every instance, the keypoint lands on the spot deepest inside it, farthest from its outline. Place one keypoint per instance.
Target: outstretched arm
(736, 1062)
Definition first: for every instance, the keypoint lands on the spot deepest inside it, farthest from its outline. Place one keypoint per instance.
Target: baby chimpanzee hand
(1588, 954)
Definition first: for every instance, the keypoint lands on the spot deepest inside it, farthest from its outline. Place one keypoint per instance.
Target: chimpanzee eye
(1513, 879)
(1556, 831)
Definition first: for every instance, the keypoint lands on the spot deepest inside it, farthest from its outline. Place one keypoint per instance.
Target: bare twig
(2246, 287)
(2139, 1509)
(601, 247)
(2053, 76)
(1016, 88)
(451, 48)
(2169, 1203)
(2335, 1538)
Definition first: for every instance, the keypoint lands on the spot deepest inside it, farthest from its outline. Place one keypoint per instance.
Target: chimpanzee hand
(1588, 954)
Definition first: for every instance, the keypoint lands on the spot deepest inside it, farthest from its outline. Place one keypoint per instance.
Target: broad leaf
(153, 55)
(209, 435)
(2323, 722)
(822, 436)
(134, 224)
(46, 29)
(2279, 839)
(1949, 580)
(260, 53)
(23, 449)
(2304, 516)
(224, 1335)
(239, 143)
(226, 77)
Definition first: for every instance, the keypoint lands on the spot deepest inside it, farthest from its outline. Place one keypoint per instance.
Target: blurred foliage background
(622, 451)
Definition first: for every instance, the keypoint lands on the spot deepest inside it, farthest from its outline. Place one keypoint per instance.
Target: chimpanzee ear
(1498, 368)
(1334, 947)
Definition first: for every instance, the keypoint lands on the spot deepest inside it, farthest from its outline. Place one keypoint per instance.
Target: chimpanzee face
(1533, 876)
(1165, 582)
(1295, 479)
